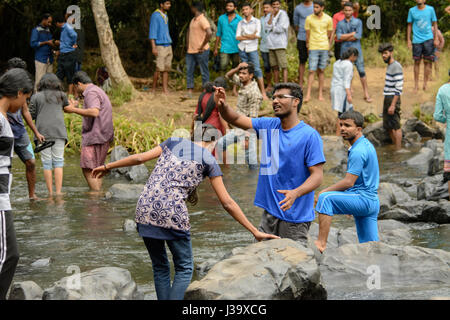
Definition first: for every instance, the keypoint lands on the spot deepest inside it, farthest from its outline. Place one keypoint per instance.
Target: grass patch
(120, 95)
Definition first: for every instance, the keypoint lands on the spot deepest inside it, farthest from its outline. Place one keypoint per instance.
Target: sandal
(43, 145)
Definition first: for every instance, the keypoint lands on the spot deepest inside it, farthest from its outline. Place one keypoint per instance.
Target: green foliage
(371, 118)
(120, 95)
(427, 118)
(136, 137)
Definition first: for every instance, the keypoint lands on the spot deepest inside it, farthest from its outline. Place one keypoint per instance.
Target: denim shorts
(53, 157)
(318, 59)
(360, 66)
(424, 50)
(23, 148)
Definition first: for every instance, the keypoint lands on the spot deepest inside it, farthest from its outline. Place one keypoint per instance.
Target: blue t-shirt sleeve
(355, 163)
(153, 32)
(264, 123)
(409, 16)
(433, 15)
(314, 150)
(169, 143)
(212, 169)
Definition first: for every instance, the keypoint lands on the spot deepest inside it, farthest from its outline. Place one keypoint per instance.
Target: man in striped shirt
(393, 88)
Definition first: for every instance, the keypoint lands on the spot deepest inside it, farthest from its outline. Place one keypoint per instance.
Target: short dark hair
(164, 1)
(356, 116)
(271, 2)
(16, 63)
(267, 2)
(295, 90)
(250, 68)
(198, 5)
(14, 81)
(45, 16)
(385, 47)
(231, 1)
(246, 4)
(81, 77)
(59, 18)
(349, 52)
(348, 4)
(220, 82)
(319, 2)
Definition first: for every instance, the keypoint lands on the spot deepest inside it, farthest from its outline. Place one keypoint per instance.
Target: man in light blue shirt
(67, 55)
(357, 193)
(421, 20)
(267, 10)
(161, 44)
(301, 12)
(350, 31)
(226, 37)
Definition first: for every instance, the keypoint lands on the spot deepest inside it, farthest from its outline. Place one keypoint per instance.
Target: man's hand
(39, 137)
(349, 99)
(391, 110)
(242, 65)
(262, 236)
(291, 196)
(410, 45)
(155, 52)
(216, 52)
(436, 42)
(219, 96)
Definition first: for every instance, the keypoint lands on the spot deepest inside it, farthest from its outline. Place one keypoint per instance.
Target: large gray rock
(137, 173)
(423, 160)
(26, 290)
(121, 191)
(107, 283)
(334, 149)
(426, 188)
(268, 270)
(376, 134)
(416, 125)
(375, 270)
(389, 231)
(391, 194)
(439, 213)
(410, 211)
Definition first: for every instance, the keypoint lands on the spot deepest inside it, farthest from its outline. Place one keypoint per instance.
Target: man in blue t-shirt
(226, 38)
(421, 20)
(292, 162)
(161, 44)
(357, 193)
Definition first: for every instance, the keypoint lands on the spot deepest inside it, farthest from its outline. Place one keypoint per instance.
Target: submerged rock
(122, 191)
(41, 263)
(137, 173)
(107, 283)
(275, 269)
(129, 225)
(375, 270)
(26, 290)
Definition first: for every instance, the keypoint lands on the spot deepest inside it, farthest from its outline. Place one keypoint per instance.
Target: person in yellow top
(319, 27)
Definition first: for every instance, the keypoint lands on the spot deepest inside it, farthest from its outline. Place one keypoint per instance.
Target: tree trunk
(108, 48)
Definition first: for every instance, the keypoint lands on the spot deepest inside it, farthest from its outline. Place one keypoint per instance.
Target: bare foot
(368, 99)
(265, 97)
(59, 194)
(307, 98)
(319, 246)
(321, 98)
(424, 88)
(33, 198)
(416, 90)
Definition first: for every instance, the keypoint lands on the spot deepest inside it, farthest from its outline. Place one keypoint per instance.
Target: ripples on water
(86, 231)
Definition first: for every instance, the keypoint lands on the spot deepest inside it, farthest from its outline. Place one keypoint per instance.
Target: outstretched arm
(230, 116)
(133, 160)
(235, 211)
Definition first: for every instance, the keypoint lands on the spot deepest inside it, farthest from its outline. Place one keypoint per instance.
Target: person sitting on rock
(357, 193)
(161, 212)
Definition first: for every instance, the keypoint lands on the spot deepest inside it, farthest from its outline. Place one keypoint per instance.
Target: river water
(85, 231)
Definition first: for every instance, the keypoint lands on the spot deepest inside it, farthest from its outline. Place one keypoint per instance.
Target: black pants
(9, 253)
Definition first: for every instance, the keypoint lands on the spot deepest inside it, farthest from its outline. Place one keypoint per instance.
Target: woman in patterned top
(161, 212)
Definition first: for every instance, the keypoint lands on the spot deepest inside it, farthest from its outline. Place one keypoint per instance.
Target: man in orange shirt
(197, 41)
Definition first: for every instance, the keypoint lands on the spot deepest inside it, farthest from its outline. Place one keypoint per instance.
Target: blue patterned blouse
(161, 211)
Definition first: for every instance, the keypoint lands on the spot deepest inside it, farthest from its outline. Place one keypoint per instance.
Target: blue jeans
(192, 60)
(235, 136)
(181, 250)
(252, 57)
(318, 59)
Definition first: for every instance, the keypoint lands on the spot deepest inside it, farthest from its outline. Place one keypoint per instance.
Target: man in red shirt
(339, 17)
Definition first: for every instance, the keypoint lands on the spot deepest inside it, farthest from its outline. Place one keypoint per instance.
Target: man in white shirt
(248, 32)
(277, 40)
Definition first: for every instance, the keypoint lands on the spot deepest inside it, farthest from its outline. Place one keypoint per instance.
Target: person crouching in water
(161, 213)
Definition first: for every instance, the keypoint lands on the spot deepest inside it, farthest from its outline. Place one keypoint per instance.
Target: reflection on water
(86, 230)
